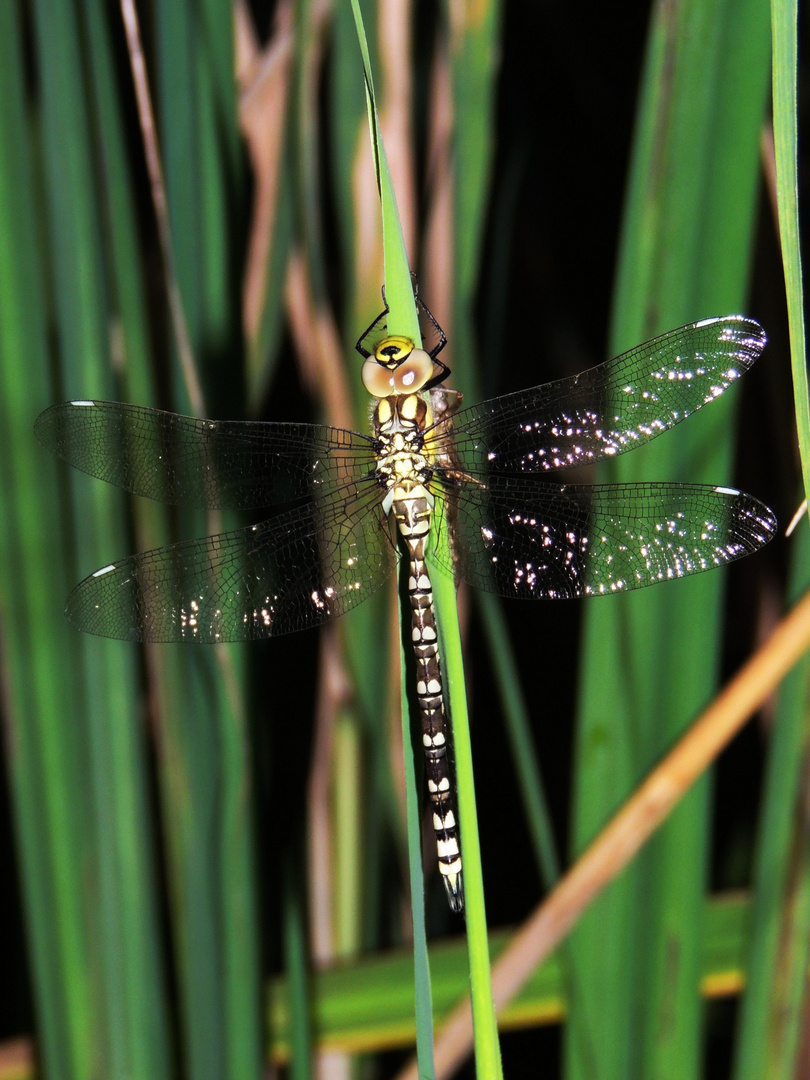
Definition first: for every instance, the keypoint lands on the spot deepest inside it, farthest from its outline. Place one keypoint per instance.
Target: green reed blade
(106, 999)
(473, 58)
(369, 1005)
(402, 319)
(41, 710)
(771, 1016)
(785, 132)
(204, 746)
(769, 1030)
(651, 659)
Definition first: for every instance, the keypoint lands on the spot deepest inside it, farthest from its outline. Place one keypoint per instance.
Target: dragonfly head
(397, 367)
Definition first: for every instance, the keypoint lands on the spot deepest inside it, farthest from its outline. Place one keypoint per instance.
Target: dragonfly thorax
(408, 415)
(402, 463)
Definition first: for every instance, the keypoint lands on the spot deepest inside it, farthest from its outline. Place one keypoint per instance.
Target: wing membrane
(609, 409)
(225, 464)
(286, 574)
(525, 539)
(513, 533)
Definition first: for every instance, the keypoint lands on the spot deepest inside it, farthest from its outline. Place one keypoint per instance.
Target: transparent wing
(292, 572)
(228, 464)
(529, 540)
(604, 411)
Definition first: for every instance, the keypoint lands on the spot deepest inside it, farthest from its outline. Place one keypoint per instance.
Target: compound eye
(379, 381)
(413, 373)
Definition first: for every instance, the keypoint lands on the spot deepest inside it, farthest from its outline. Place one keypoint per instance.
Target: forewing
(286, 574)
(607, 410)
(527, 540)
(228, 464)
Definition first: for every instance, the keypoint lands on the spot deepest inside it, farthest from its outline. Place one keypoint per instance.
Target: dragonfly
(342, 507)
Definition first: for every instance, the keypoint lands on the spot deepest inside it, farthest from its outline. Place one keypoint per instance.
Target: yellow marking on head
(393, 350)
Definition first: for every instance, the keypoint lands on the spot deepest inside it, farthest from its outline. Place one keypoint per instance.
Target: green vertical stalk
(103, 1008)
(473, 54)
(771, 1016)
(651, 659)
(771, 1019)
(42, 719)
(402, 319)
(402, 315)
(204, 745)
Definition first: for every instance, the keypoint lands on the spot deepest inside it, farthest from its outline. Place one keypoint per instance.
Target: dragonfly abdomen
(412, 510)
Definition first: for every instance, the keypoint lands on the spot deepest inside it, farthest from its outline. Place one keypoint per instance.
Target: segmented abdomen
(412, 509)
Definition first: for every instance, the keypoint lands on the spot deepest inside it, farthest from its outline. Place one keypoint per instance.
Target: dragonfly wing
(286, 574)
(527, 540)
(607, 410)
(228, 464)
